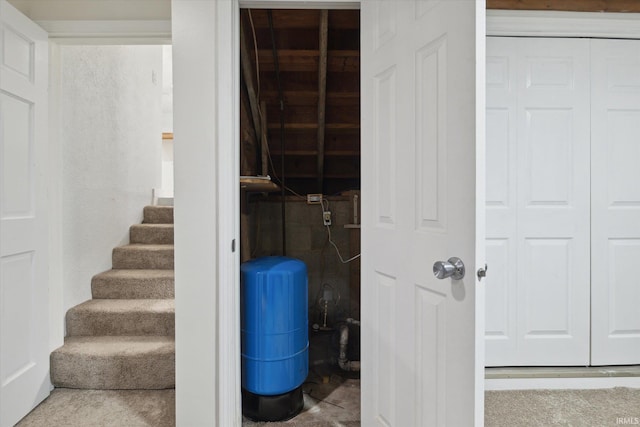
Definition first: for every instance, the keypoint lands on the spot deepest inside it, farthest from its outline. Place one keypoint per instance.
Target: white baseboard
(496, 384)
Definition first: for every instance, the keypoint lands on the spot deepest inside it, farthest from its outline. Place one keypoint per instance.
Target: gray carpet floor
(104, 408)
(574, 408)
(336, 403)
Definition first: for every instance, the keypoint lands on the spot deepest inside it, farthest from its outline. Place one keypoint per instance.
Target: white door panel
(538, 209)
(615, 229)
(24, 298)
(501, 300)
(419, 124)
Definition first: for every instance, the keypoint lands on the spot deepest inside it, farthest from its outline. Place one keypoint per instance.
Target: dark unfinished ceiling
(318, 56)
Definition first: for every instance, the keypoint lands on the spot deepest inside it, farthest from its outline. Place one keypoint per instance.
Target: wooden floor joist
(249, 79)
(322, 93)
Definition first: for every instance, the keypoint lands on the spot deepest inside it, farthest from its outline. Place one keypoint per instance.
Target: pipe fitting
(344, 363)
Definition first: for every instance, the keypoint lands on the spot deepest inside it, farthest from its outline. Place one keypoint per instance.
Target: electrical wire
(280, 98)
(342, 260)
(255, 46)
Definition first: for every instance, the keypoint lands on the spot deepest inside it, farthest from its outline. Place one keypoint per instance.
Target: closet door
(537, 202)
(615, 245)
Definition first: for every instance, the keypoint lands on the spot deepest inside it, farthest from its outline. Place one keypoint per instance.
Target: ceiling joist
(322, 93)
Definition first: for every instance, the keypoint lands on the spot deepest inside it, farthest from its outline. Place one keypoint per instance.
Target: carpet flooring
(336, 403)
(572, 408)
(104, 408)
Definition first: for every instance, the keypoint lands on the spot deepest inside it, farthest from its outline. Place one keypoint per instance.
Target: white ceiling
(89, 10)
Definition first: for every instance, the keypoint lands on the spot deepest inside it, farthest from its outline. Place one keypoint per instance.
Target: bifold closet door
(538, 202)
(615, 241)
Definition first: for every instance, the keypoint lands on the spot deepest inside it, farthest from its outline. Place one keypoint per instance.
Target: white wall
(195, 213)
(110, 139)
(167, 120)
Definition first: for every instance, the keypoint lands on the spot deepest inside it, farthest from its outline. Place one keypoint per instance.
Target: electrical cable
(255, 45)
(342, 260)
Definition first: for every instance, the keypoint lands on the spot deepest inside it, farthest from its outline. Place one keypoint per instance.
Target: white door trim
(563, 24)
(228, 401)
(225, 352)
(101, 32)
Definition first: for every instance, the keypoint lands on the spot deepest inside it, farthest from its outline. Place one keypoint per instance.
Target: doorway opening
(300, 180)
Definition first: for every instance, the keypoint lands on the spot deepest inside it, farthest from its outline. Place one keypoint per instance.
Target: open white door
(422, 130)
(24, 292)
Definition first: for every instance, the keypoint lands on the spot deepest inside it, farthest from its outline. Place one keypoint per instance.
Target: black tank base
(280, 407)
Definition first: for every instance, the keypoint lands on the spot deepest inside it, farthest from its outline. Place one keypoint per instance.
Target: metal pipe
(344, 363)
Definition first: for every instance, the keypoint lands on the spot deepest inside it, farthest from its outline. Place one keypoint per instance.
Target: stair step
(132, 284)
(151, 234)
(158, 215)
(122, 317)
(140, 256)
(108, 363)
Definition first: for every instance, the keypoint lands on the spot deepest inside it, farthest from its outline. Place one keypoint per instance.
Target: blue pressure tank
(275, 337)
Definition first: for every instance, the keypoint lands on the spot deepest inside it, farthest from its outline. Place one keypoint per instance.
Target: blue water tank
(274, 322)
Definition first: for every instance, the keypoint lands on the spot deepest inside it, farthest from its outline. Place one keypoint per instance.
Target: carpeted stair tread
(158, 215)
(122, 317)
(140, 256)
(124, 337)
(151, 234)
(131, 284)
(115, 362)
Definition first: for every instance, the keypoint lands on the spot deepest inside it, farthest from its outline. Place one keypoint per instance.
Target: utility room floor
(330, 399)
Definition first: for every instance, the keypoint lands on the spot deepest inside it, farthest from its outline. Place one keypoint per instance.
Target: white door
(538, 201)
(24, 297)
(615, 246)
(422, 130)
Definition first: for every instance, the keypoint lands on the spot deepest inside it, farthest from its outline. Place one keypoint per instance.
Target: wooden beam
(338, 61)
(249, 75)
(306, 18)
(567, 5)
(311, 126)
(322, 93)
(264, 141)
(327, 153)
(248, 137)
(310, 98)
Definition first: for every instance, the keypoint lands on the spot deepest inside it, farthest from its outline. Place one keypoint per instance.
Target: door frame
(228, 400)
(519, 23)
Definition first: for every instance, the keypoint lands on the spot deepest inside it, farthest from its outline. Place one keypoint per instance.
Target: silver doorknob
(453, 268)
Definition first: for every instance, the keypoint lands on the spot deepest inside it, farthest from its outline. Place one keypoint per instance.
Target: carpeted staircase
(123, 338)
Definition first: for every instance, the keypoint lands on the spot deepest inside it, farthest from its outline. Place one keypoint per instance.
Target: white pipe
(344, 363)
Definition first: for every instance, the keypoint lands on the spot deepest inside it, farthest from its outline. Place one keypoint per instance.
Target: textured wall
(110, 136)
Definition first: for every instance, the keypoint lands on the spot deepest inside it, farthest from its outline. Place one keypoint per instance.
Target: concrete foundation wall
(307, 240)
